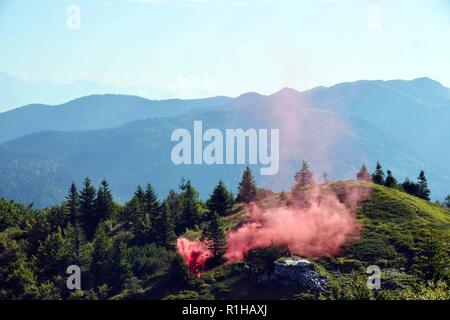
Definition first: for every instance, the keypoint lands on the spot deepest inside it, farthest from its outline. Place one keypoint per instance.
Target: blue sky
(196, 48)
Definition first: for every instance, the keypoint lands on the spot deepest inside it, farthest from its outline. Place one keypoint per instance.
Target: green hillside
(406, 237)
(396, 230)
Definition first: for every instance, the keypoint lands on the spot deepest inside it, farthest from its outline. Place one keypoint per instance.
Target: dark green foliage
(190, 215)
(432, 261)
(175, 203)
(363, 174)
(423, 191)
(165, 228)
(247, 187)
(446, 202)
(147, 260)
(120, 268)
(390, 182)
(101, 255)
(216, 235)
(221, 200)
(151, 203)
(410, 187)
(88, 210)
(138, 220)
(378, 175)
(104, 202)
(140, 194)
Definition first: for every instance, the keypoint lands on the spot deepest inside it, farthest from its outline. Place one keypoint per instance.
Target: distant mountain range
(15, 92)
(126, 139)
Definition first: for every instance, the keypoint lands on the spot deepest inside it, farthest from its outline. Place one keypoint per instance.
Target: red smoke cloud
(195, 254)
(320, 229)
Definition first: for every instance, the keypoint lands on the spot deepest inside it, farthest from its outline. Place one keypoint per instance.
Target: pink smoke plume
(195, 254)
(320, 229)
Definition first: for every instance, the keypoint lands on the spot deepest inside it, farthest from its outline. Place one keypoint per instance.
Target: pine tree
(120, 268)
(151, 204)
(390, 182)
(247, 187)
(363, 174)
(220, 200)
(304, 180)
(166, 230)
(140, 194)
(88, 209)
(73, 206)
(190, 214)
(378, 175)
(104, 202)
(175, 203)
(447, 201)
(101, 256)
(423, 191)
(410, 187)
(139, 221)
(216, 235)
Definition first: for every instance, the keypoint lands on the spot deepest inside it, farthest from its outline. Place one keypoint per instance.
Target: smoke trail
(320, 229)
(195, 254)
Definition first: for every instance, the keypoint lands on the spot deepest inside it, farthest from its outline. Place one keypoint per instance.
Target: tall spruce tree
(216, 234)
(423, 191)
(175, 203)
(165, 227)
(363, 174)
(304, 180)
(120, 267)
(101, 257)
(140, 194)
(104, 202)
(390, 182)
(138, 220)
(221, 200)
(151, 203)
(378, 175)
(191, 210)
(73, 207)
(88, 209)
(247, 187)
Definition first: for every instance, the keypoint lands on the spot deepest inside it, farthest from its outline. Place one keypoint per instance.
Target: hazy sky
(194, 48)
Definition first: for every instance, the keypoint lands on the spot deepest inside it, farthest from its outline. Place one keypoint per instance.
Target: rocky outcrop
(291, 271)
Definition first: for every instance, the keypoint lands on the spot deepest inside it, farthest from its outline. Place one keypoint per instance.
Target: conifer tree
(151, 203)
(363, 174)
(88, 209)
(165, 227)
(447, 201)
(140, 194)
(120, 268)
(175, 203)
(216, 235)
(73, 207)
(247, 187)
(423, 191)
(378, 175)
(139, 221)
(410, 187)
(390, 182)
(104, 202)
(101, 256)
(220, 200)
(191, 212)
(304, 180)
